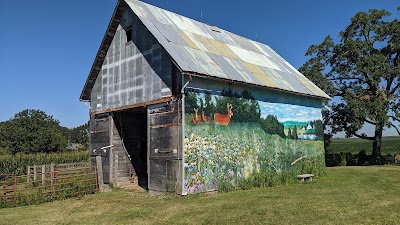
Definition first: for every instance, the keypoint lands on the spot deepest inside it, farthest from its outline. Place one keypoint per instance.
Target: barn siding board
(133, 72)
(100, 136)
(164, 147)
(164, 175)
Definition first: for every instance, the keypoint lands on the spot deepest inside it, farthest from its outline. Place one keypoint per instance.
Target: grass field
(355, 145)
(344, 195)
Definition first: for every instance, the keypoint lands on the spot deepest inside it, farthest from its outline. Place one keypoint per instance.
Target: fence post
(111, 159)
(99, 172)
(15, 188)
(116, 169)
(43, 174)
(34, 172)
(97, 180)
(52, 176)
(4, 194)
(28, 173)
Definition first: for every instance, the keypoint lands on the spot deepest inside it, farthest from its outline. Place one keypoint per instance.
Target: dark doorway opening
(132, 129)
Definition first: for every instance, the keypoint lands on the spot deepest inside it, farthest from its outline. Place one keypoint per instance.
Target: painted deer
(224, 119)
(204, 117)
(196, 118)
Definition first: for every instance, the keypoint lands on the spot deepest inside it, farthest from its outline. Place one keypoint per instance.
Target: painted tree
(209, 107)
(294, 133)
(362, 73)
(271, 125)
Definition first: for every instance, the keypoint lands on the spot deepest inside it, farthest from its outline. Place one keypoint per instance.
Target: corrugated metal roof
(203, 49)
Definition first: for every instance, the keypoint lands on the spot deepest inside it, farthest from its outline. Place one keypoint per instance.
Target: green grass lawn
(344, 195)
(390, 145)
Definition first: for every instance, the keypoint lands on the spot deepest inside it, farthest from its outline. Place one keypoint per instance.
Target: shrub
(358, 159)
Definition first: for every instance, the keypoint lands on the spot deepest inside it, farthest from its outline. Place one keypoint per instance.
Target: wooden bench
(304, 177)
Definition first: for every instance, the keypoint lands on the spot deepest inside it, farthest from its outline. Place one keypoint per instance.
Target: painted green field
(228, 157)
(343, 195)
(390, 145)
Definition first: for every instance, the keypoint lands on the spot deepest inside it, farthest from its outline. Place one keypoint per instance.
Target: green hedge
(358, 159)
(10, 164)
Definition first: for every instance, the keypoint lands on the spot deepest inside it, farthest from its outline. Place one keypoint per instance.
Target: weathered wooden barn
(180, 106)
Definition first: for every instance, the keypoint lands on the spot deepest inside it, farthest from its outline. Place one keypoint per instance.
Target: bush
(10, 164)
(358, 159)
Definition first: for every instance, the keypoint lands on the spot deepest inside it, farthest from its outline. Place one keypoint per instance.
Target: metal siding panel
(259, 74)
(189, 60)
(197, 59)
(194, 43)
(243, 71)
(227, 68)
(215, 53)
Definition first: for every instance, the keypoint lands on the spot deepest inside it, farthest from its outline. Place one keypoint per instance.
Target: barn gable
(136, 68)
(203, 50)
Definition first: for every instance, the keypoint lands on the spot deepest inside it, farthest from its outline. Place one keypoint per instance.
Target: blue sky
(47, 47)
(285, 112)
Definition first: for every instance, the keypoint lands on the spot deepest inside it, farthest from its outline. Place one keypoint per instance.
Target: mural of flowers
(217, 154)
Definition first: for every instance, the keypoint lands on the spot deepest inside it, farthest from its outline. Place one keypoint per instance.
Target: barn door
(100, 137)
(164, 147)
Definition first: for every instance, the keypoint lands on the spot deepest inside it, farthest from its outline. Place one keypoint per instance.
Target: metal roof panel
(204, 49)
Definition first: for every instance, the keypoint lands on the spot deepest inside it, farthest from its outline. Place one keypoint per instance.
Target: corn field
(17, 164)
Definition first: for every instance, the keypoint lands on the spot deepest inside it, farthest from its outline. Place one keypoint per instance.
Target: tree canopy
(32, 131)
(361, 72)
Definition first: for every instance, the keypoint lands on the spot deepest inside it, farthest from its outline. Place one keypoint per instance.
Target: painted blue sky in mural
(286, 112)
(283, 112)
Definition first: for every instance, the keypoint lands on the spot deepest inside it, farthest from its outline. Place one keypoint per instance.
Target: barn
(180, 106)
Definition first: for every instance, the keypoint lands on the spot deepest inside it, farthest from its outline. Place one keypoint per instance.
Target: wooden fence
(43, 186)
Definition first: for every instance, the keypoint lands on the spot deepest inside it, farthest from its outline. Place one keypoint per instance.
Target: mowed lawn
(344, 195)
(390, 145)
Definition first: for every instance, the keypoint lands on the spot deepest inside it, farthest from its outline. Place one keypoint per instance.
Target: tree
(271, 125)
(79, 135)
(190, 101)
(294, 133)
(245, 107)
(362, 73)
(319, 130)
(209, 107)
(31, 131)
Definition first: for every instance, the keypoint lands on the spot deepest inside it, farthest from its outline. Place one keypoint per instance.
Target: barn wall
(165, 148)
(254, 141)
(133, 72)
(100, 136)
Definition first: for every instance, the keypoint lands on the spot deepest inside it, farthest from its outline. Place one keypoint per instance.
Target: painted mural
(231, 139)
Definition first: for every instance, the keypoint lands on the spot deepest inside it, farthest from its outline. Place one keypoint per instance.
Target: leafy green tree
(245, 108)
(31, 131)
(319, 129)
(190, 101)
(271, 125)
(80, 135)
(209, 107)
(294, 133)
(362, 73)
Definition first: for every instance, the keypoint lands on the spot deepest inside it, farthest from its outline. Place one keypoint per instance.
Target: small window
(128, 35)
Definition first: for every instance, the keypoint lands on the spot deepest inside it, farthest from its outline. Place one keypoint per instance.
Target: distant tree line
(32, 131)
(245, 109)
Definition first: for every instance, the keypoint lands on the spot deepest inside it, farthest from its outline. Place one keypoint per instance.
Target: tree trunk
(376, 146)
